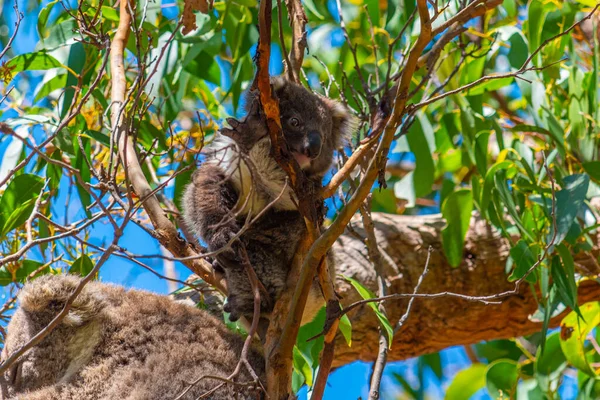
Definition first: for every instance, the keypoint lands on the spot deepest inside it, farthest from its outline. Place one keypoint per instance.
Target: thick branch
(435, 324)
(165, 230)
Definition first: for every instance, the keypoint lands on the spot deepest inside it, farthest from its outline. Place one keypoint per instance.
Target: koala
(240, 179)
(118, 344)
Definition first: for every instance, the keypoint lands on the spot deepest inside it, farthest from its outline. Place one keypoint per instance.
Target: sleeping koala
(118, 344)
(240, 179)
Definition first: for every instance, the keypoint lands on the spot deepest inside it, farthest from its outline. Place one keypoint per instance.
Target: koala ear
(48, 295)
(278, 83)
(344, 123)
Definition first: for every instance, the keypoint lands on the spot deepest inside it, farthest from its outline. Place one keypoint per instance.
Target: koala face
(66, 349)
(313, 126)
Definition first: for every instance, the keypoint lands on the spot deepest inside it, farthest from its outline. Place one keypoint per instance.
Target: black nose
(312, 147)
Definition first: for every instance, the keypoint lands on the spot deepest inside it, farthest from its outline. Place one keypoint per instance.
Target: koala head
(313, 126)
(67, 347)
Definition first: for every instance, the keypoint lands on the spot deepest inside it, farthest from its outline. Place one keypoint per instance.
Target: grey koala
(240, 178)
(118, 344)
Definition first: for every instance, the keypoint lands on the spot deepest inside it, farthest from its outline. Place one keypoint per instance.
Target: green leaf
(501, 379)
(367, 294)
(496, 349)
(593, 169)
(43, 18)
(518, 50)
(567, 278)
(490, 86)
(384, 200)
(302, 366)
(346, 329)
(537, 12)
(82, 266)
(424, 167)
(32, 62)
(556, 130)
(506, 195)
(59, 34)
(481, 151)
(98, 136)
(310, 5)
(573, 333)
(45, 88)
(550, 364)
(569, 201)
(434, 362)
(524, 259)
(456, 210)
(21, 191)
(110, 14)
(18, 216)
(76, 62)
(405, 386)
(205, 67)
(488, 184)
(21, 274)
(79, 163)
(467, 382)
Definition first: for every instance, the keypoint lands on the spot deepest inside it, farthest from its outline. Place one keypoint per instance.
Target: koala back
(118, 344)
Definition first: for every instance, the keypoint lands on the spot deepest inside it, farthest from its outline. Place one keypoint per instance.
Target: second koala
(240, 178)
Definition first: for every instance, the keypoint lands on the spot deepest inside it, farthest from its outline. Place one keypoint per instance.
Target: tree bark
(435, 324)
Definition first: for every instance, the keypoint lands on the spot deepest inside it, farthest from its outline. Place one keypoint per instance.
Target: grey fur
(240, 178)
(118, 344)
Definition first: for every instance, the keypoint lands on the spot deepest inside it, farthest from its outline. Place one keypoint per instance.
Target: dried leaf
(189, 18)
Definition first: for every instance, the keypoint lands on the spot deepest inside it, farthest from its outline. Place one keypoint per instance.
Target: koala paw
(232, 308)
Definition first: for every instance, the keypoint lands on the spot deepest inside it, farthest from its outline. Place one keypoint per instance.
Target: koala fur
(118, 344)
(240, 178)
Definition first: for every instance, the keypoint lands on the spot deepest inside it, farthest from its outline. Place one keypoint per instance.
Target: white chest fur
(256, 176)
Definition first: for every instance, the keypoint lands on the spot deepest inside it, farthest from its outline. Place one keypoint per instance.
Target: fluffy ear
(49, 294)
(278, 83)
(344, 123)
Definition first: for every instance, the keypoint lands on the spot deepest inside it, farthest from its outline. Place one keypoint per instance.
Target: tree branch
(166, 231)
(298, 22)
(435, 324)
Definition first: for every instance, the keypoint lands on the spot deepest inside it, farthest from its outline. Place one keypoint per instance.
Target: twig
(298, 21)
(377, 259)
(404, 317)
(20, 17)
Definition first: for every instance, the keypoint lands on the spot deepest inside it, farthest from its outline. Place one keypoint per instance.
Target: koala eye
(294, 122)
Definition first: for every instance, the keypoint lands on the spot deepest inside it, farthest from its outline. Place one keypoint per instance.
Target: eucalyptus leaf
(456, 211)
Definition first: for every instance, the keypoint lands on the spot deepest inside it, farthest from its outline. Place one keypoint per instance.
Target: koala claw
(234, 123)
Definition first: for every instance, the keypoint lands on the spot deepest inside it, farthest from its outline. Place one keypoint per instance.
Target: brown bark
(435, 324)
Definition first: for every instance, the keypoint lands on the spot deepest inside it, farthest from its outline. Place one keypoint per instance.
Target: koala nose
(312, 146)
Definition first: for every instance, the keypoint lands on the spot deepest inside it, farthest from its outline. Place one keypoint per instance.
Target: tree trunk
(435, 324)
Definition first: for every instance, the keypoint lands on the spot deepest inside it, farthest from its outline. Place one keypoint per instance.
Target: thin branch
(165, 230)
(404, 317)
(20, 17)
(298, 20)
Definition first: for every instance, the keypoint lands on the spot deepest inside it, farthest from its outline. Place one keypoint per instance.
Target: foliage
(520, 150)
